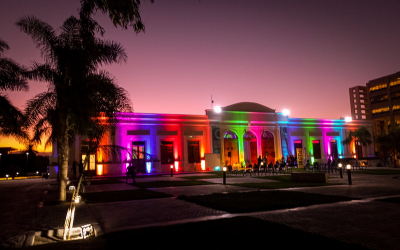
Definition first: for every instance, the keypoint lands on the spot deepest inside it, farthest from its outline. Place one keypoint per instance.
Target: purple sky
(299, 55)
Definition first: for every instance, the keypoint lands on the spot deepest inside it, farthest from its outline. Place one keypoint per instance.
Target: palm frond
(12, 121)
(42, 34)
(39, 106)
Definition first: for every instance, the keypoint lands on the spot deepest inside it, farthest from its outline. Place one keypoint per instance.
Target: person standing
(74, 169)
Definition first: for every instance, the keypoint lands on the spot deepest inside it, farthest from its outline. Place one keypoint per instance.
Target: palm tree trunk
(64, 151)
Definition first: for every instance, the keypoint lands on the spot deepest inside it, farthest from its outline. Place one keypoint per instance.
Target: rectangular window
(356, 116)
(194, 151)
(363, 106)
(354, 90)
(354, 95)
(167, 152)
(362, 111)
(355, 111)
(355, 100)
(361, 91)
(364, 117)
(316, 149)
(362, 101)
(361, 96)
(355, 106)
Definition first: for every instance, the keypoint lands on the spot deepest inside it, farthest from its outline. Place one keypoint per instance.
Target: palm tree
(360, 135)
(81, 99)
(11, 78)
(123, 13)
(389, 143)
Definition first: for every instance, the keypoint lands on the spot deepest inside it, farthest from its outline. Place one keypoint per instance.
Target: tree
(389, 143)
(81, 99)
(11, 78)
(360, 135)
(123, 13)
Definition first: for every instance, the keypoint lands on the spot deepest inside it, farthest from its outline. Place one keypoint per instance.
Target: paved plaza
(366, 221)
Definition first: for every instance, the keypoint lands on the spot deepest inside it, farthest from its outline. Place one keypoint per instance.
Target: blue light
(217, 168)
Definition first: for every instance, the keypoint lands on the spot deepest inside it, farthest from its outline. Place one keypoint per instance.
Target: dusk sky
(299, 55)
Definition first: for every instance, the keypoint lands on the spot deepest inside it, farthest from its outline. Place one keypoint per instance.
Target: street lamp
(285, 112)
(224, 175)
(26, 170)
(172, 169)
(349, 173)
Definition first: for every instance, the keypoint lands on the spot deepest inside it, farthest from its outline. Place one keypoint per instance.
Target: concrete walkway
(367, 222)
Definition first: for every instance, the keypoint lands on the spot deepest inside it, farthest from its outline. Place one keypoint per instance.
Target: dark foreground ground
(161, 211)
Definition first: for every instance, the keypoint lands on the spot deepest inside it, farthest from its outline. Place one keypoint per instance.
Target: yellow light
(172, 166)
(99, 169)
(340, 165)
(224, 169)
(203, 165)
(348, 166)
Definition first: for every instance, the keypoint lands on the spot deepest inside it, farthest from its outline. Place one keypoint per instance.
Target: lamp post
(224, 175)
(26, 170)
(172, 169)
(0, 160)
(340, 170)
(349, 173)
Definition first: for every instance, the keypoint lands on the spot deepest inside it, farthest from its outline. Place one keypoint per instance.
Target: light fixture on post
(349, 173)
(224, 175)
(340, 170)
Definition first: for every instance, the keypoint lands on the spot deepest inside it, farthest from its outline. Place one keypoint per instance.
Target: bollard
(340, 170)
(349, 173)
(224, 175)
(172, 169)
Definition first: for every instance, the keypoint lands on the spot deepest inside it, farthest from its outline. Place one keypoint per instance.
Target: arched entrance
(250, 147)
(231, 152)
(267, 145)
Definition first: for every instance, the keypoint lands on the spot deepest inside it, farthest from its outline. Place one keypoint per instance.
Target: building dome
(248, 107)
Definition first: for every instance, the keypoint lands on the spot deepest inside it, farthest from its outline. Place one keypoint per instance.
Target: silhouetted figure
(130, 171)
(74, 165)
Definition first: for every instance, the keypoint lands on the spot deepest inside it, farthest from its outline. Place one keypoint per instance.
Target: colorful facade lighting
(148, 167)
(176, 166)
(99, 170)
(203, 165)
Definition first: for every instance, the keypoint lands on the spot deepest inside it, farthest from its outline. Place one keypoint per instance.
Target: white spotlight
(217, 109)
(285, 112)
(348, 119)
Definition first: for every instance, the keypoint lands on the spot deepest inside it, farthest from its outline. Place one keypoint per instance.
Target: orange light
(203, 165)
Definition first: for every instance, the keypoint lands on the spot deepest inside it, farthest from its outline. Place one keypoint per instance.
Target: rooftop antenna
(212, 102)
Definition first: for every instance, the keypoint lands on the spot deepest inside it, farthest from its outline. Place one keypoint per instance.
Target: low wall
(309, 177)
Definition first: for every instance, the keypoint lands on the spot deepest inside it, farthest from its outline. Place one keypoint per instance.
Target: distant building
(384, 99)
(359, 103)
(240, 132)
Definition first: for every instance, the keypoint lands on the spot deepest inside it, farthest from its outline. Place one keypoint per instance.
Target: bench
(309, 177)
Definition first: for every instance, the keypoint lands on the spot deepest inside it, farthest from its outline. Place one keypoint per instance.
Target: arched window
(230, 135)
(267, 135)
(249, 135)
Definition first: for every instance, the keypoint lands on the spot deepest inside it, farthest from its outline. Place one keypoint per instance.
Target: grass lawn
(377, 171)
(283, 181)
(246, 202)
(160, 184)
(210, 175)
(232, 233)
(124, 195)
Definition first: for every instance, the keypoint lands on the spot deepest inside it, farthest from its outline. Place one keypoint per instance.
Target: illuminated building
(239, 132)
(384, 98)
(359, 103)
(379, 100)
